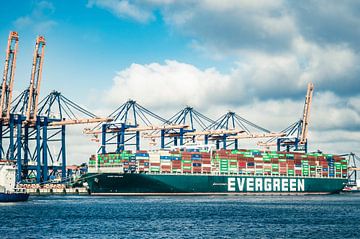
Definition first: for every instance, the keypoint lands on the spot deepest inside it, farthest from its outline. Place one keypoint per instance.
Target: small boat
(8, 190)
(352, 187)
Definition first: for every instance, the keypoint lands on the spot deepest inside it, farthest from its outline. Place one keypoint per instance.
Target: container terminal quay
(143, 153)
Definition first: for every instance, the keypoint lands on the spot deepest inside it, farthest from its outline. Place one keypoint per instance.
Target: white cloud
(39, 18)
(124, 9)
(277, 52)
(335, 113)
(265, 38)
(168, 85)
(166, 88)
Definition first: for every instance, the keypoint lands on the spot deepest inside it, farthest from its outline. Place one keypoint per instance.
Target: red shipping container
(242, 164)
(141, 151)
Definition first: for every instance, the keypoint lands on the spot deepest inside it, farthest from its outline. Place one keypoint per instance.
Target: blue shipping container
(196, 156)
(165, 157)
(142, 154)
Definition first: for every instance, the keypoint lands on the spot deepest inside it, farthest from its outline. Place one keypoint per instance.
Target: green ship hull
(182, 184)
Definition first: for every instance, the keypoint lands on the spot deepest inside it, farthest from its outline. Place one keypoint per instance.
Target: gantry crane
(240, 128)
(129, 120)
(230, 127)
(195, 121)
(30, 121)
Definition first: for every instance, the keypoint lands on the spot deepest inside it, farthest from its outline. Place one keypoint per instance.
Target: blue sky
(253, 57)
(87, 45)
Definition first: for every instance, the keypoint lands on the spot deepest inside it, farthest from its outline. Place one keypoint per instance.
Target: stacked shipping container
(250, 162)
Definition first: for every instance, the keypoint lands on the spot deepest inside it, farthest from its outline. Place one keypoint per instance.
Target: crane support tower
(8, 78)
(35, 80)
(306, 113)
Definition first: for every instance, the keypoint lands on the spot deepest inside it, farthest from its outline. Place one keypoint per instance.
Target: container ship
(204, 171)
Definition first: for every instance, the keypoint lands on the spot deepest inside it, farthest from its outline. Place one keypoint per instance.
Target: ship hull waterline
(179, 184)
(13, 197)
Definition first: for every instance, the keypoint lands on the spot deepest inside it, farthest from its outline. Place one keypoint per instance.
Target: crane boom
(139, 128)
(9, 73)
(35, 81)
(198, 133)
(211, 132)
(253, 136)
(306, 113)
(79, 121)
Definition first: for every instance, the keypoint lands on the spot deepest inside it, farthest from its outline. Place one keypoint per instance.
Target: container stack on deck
(142, 158)
(249, 162)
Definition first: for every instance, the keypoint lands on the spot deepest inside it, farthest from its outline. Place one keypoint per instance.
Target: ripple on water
(335, 216)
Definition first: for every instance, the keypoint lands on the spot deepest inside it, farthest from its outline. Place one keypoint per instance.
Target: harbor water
(325, 216)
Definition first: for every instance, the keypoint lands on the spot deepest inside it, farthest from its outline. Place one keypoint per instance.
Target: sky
(254, 57)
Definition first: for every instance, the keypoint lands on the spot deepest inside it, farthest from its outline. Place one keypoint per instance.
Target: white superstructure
(7, 177)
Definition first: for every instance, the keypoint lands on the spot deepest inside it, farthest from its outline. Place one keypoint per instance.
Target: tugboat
(8, 190)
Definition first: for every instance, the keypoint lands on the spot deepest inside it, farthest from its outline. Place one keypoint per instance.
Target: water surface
(330, 216)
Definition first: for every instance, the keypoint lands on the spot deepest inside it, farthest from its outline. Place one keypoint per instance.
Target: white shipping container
(142, 158)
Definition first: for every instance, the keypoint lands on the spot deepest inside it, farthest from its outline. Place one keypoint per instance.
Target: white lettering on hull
(245, 184)
(231, 184)
(276, 185)
(293, 185)
(240, 184)
(250, 184)
(258, 184)
(268, 183)
(301, 185)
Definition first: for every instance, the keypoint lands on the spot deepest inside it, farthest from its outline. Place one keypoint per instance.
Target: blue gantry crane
(231, 127)
(188, 116)
(129, 120)
(27, 127)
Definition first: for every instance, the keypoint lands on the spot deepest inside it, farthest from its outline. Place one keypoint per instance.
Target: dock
(57, 191)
